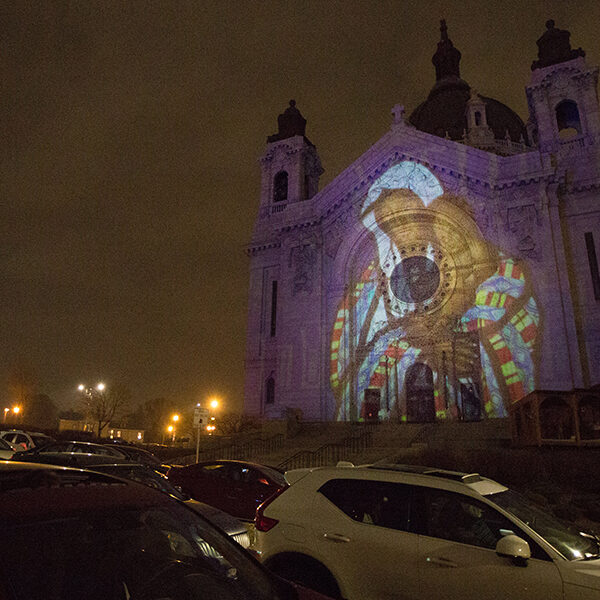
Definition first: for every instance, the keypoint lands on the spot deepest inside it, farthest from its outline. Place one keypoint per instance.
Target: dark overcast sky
(129, 179)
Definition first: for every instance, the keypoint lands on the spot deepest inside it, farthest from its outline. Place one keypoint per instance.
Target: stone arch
(420, 400)
(556, 419)
(270, 391)
(567, 119)
(589, 417)
(280, 187)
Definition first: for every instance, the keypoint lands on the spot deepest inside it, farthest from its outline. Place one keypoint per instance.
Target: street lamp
(6, 411)
(214, 404)
(171, 431)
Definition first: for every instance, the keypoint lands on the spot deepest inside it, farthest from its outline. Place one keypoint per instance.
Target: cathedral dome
(444, 112)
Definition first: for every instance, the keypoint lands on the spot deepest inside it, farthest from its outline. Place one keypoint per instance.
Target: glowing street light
(171, 431)
(175, 418)
(214, 404)
(6, 411)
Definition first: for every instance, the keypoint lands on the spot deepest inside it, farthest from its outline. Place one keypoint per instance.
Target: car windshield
(143, 475)
(145, 553)
(566, 539)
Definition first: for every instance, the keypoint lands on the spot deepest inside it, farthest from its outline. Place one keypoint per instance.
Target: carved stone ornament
(520, 222)
(484, 217)
(303, 259)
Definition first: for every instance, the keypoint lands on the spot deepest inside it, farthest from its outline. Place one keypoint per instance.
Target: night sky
(129, 176)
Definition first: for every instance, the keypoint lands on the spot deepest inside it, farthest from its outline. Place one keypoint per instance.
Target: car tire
(305, 571)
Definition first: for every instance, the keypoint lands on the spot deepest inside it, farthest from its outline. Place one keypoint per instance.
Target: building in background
(447, 273)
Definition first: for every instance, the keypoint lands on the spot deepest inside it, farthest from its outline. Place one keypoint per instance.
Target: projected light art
(436, 322)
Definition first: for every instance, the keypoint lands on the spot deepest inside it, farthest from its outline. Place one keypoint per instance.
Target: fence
(329, 454)
(239, 451)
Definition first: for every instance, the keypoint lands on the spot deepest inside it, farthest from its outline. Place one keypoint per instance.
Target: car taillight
(262, 523)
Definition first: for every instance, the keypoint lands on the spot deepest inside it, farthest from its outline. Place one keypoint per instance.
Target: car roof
(415, 474)
(30, 491)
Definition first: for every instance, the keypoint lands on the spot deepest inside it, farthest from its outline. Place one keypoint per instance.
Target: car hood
(581, 573)
(228, 523)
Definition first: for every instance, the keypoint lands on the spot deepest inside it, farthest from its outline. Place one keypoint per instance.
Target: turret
(290, 166)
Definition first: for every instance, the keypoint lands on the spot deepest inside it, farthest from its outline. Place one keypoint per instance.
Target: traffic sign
(200, 416)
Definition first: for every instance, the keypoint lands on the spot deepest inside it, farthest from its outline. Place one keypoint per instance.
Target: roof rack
(431, 471)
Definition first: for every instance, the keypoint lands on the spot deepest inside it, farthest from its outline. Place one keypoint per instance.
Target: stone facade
(440, 275)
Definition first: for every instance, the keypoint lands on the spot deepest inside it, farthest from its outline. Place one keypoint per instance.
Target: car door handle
(336, 537)
(440, 561)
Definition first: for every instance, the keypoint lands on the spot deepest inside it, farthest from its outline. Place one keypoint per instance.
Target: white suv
(400, 531)
(25, 440)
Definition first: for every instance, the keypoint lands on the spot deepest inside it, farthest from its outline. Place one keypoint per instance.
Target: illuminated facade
(447, 273)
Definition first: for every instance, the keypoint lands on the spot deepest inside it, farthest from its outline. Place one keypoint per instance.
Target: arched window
(280, 187)
(567, 119)
(477, 118)
(270, 391)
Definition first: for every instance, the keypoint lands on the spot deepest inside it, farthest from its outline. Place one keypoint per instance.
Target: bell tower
(290, 165)
(562, 94)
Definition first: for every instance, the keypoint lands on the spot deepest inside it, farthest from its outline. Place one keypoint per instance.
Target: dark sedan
(236, 487)
(232, 526)
(68, 533)
(72, 454)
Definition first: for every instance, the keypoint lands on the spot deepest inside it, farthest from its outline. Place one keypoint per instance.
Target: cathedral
(448, 273)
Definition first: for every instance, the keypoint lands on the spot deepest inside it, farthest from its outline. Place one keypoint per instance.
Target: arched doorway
(471, 403)
(420, 404)
(556, 419)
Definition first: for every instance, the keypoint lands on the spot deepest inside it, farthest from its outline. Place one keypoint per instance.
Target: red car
(234, 486)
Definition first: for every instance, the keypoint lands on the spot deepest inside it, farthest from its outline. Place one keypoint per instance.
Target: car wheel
(306, 571)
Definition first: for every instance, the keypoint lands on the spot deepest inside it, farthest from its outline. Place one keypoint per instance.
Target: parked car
(72, 454)
(400, 531)
(136, 454)
(232, 526)
(234, 486)
(70, 533)
(6, 450)
(26, 440)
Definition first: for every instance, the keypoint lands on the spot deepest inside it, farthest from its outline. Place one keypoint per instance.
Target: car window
(5, 445)
(215, 470)
(274, 475)
(463, 519)
(567, 539)
(40, 440)
(59, 447)
(149, 553)
(380, 503)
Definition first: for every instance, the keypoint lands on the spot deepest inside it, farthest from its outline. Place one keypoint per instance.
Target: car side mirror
(514, 547)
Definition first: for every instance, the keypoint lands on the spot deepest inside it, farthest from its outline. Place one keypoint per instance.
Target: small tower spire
(554, 47)
(447, 58)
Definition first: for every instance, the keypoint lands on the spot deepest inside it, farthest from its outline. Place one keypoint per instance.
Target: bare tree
(103, 405)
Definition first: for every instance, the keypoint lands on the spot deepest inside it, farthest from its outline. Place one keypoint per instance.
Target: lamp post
(6, 411)
(90, 393)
